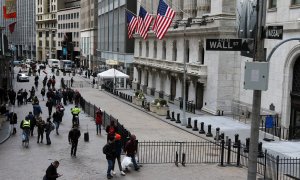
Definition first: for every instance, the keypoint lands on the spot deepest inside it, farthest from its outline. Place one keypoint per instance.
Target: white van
(53, 63)
(66, 65)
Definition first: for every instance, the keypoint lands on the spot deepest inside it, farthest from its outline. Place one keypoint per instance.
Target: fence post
(217, 137)
(183, 159)
(277, 167)
(176, 159)
(238, 153)
(202, 128)
(222, 152)
(246, 150)
(229, 151)
(260, 152)
(236, 139)
(265, 165)
(178, 118)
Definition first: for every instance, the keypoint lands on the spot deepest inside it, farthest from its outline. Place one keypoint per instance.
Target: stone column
(158, 85)
(167, 91)
(150, 84)
(178, 91)
(189, 7)
(177, 6)
(203, 7)
(135, 78)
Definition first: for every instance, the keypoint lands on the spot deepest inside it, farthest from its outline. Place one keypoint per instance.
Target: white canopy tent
(119, 78)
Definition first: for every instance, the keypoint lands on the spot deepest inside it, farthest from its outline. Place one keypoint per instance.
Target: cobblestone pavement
(30, 163)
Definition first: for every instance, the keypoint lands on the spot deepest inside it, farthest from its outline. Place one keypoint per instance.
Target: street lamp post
(183, 121)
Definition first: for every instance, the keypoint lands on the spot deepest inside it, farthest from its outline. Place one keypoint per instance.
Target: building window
(155, 49)
(147, 48)
(272, 4)
(40, 34)
(54, 43)
(140, 48)
(164, 50)
(174, 51)
(295, 2)
(53, 33)
(40, 43)
(47, 33)
(47, 43)
(187, 51)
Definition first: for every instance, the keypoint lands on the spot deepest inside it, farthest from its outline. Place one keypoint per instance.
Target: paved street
(21, 163)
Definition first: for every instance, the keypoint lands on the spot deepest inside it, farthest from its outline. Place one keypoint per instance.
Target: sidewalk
(227, 125)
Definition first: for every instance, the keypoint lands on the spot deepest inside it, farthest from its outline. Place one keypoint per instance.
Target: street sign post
(223, 44)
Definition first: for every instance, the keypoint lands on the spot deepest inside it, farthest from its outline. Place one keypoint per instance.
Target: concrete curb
(7, 136)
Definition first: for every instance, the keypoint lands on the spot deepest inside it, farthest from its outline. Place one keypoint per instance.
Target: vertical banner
(11, 9)
(12, 27)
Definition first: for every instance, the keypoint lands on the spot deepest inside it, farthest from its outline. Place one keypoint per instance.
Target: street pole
(259, 55)
(183, 121)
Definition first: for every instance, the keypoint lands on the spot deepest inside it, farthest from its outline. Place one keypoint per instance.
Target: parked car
(22, 76)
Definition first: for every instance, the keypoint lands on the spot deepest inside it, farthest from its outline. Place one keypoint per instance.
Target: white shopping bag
(126, 162)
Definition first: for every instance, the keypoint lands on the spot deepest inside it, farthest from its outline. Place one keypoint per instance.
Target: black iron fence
(91, 110)
(220, 152)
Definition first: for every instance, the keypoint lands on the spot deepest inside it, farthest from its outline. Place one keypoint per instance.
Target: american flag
(131, 23)
(144, 21)
(163, 20)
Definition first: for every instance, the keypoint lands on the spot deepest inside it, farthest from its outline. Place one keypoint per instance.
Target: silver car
(21, 77)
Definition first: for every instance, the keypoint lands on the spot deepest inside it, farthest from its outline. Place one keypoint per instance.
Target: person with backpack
(118, 146)
(73, 137)
(57, 118)
(110, 151)
(49, 105)
(41, 128)
(98, 121)
(48, 128)
(25, 94)
(32, 119)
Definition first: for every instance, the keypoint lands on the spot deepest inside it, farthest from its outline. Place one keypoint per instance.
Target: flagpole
(130, 11)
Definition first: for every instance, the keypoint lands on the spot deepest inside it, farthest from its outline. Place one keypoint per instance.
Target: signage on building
(274, 32)
(223, 44)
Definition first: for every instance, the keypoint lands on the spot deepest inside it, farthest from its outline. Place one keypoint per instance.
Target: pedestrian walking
(48, 128)
(94, 82)
(118, 145)
(111, 129)
(110, 151)
(25, 126)
(41, 128)
(98, 121)
(43, 92)
(49, 105)
(53, 82)
(37, 110)
(72, 80)
(131, 150)
(13, 122)
(57, 118)
(73, 137)
(20, 97)
(25, 94)
(32, 119)
(39, 71)
(51, 172)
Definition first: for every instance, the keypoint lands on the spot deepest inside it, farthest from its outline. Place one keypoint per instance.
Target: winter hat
(118, 137)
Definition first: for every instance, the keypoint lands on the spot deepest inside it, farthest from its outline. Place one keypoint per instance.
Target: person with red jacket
(131, 150)
(98, 121)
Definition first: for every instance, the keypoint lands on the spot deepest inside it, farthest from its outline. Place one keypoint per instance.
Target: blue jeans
(110, 165)
(56, 125)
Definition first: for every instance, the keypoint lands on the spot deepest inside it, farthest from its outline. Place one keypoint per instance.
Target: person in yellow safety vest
(25, 125)
(75, 112)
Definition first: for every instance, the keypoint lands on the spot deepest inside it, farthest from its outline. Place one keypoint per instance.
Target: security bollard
(222, 152)
(202, 128)
(260, 152)
(176, 159)
(168, 114)
(238, 159)
(246, 149)
(226, 140)
(189, 123)
(209, 134)
(178, 118)
(143, 103)
(173, 116)
(229, 151)
(236, 139)
(217, 137)
(195, 126)
(183, 159)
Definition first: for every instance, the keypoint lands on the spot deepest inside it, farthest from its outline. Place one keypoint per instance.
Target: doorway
(199, 95)
(173, 88)
(295, 103)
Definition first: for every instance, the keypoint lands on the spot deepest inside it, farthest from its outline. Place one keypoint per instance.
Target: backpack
(105, 149)
(111, 130)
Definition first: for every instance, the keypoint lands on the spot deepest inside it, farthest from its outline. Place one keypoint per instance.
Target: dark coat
(51, 173)
(74, 135)
(110, 150)
(131, 148)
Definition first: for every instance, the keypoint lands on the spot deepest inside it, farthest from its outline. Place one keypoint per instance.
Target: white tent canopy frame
(114, 74)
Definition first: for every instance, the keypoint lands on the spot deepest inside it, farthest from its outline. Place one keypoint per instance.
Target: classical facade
(215, 79)
(88, 33)
(46, 29)
(113, 42)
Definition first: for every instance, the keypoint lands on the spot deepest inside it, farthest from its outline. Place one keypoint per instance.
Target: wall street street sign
(223, 44)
